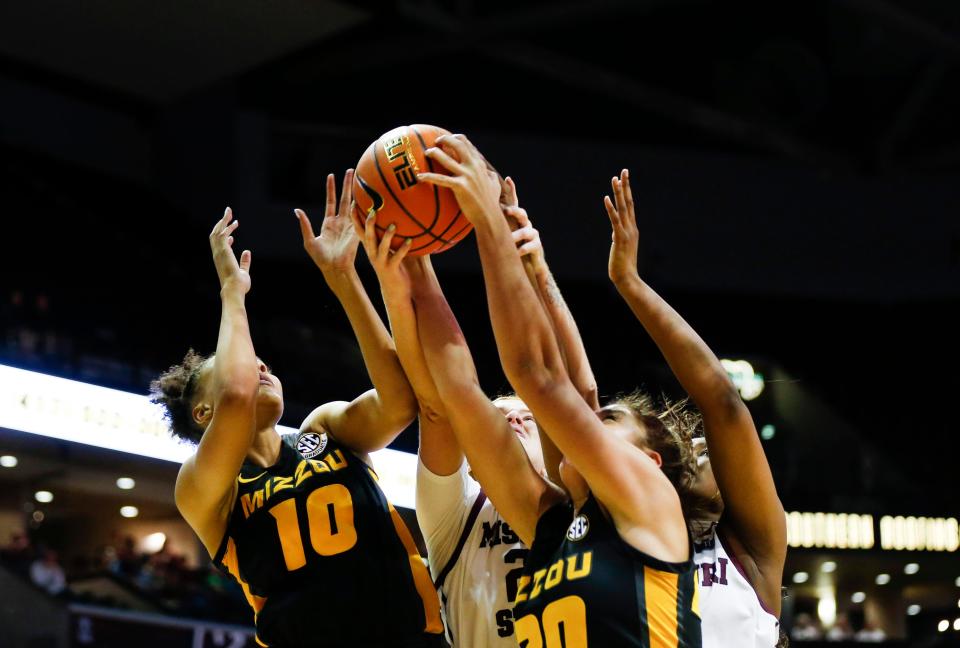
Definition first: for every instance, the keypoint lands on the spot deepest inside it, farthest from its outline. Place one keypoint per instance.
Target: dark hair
(174, 389)
(670, 428)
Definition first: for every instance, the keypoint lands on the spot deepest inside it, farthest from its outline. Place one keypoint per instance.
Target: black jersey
(324, 560)
(582, 585)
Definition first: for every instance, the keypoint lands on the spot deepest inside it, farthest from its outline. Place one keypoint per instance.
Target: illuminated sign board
(107, 418)
(859, 531)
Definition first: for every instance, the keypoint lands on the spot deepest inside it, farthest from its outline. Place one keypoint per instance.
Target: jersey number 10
(329, 520)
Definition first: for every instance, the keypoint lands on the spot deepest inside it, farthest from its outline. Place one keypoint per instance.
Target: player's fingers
(346, 192)
(510, 192)
(460, 146)
(620, 199)
(246, 258)
(383, 252)
(401, 252)
(331, 205)
(520, 214)
(444, 159)
(369, 237)
(229, 240)
(438, 179)
(523, 235)
(627, 192)
(220, 224)
(527, 248)
(229, 229)
(306, 228)
(612, 212)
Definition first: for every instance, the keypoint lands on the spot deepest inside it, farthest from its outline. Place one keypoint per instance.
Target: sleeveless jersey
(733, 616)
(475, 559)
(323, 559)
(583, 586)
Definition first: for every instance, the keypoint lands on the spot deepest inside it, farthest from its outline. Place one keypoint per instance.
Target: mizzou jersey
(583, 586)
(323, 559)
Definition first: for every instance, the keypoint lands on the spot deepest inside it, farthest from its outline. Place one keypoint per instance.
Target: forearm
(376, 346)
(235, 363)
(525, 338)
(568, 336)
(691, 360)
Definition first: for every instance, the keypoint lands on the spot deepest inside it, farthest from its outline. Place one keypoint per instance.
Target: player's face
(706, 484)
(524, 426)
(269, 392)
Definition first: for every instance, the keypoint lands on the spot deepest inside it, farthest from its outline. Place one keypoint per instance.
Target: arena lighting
(8, 461)
(913, 610)
(830, 530)
(767, 432)
(747, 381)
(79, 412)
(919, 533)
(153, 542)
(827, 607)
(126, 483)
(44, 497)
(828, 567)
(911, 568)
(883, 579)
(129, 511)
(957, 582)
(956, 624)
(858, 597)
(943, 625)
(801, 577)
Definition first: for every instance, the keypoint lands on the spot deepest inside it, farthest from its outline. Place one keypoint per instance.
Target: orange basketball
(386, 182)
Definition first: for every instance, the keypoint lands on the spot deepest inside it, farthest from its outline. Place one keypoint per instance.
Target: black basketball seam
(436, 189)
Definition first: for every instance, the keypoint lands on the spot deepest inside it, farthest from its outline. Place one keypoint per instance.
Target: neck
(265, 447)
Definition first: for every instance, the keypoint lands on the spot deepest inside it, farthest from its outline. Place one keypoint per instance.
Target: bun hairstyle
(175, 390)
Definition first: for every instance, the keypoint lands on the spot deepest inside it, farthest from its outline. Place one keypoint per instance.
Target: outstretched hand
(622, 264)
(335, 250)
(234, 276)
(472, 180)
(387, 263)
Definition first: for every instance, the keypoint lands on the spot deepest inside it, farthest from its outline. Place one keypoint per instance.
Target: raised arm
(439, 450)
(204, 489)
(493, 449)
(530, 246)
(752, 509)
(373, 419)
(625, 479)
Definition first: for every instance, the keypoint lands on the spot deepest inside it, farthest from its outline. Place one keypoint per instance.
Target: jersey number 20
(564, 625)
(330, 523)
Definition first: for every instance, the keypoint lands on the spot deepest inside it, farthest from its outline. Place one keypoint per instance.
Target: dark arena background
(796, 167)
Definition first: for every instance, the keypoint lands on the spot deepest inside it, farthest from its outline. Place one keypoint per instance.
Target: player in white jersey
(475, 557)
(740, 536)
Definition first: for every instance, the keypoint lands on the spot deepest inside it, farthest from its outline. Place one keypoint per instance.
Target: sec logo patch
(578, 528)
(310, 444)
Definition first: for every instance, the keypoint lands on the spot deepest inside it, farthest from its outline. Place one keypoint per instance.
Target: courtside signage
(75, 411)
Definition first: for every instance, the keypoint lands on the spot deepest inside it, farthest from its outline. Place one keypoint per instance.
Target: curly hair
(175, 389)
(670, 428)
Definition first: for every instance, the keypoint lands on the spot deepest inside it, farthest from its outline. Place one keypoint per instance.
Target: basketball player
(740, 540)
(475, 557)
(610, 566)
(324, 560)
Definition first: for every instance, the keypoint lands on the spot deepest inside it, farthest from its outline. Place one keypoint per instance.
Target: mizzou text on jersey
(583, 586)
(323, 559)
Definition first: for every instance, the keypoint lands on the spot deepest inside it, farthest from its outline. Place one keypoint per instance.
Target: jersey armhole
(735, 559)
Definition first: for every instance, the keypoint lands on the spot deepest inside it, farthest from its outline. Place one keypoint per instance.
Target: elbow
(239, 390)
(532, 374)
(401, 411)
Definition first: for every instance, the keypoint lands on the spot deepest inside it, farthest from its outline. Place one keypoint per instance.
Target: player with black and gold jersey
(610, 562)
(322, 557)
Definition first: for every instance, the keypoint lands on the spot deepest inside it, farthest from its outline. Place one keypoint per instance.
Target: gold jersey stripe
(661, 590)
(233, 566)
(421, 577)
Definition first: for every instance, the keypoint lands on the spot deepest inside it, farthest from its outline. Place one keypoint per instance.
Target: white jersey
(475, 558)
(731, 614)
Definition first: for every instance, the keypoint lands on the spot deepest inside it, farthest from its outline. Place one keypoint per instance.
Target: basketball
(386, 182)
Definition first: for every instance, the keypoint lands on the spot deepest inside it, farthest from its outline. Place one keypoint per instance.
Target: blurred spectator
(841, 630)
(805, 628)
(46, 573)
(18, 554)
(871, 633)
